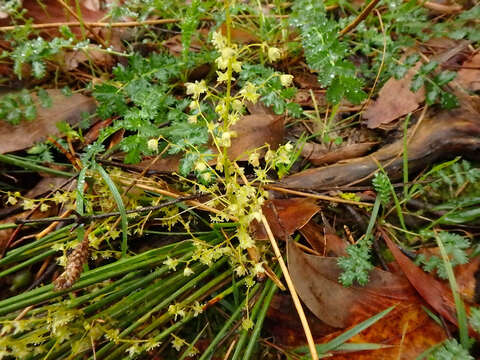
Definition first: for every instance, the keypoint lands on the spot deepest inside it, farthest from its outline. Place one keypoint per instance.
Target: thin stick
(296, 300)
(316, 196)
(88, 218)
(90, 30)
(130, 23)
(359, 18)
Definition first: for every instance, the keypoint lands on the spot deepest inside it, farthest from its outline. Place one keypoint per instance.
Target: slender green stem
(259, 322)
(460, 307)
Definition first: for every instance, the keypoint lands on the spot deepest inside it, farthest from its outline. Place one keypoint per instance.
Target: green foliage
(15, 107)
(189, 25)
(455, 247)
(474, 319)
(326, 53)
(270, 87)
(433, 85)
(40, 152)
(382, 185)
(454, 176)
(35, 52)
(450, 350)
(356, 265)
(454, 187)
(464, 26)
(139, 95)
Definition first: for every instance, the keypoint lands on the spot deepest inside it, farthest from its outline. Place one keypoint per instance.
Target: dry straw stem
(194, 203)
(362, 16)
(90, 30)
(293, 292)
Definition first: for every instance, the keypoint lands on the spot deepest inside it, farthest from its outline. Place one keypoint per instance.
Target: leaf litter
(146, 113)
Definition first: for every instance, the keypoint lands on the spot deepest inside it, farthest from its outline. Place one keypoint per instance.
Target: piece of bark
(317, 154)
(447, 134)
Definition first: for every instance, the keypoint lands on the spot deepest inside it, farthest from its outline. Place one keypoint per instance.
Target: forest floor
(239, 179)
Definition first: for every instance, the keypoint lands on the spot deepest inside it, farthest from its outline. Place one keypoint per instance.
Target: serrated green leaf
(445, 77)
(417, 83)
(428, 67)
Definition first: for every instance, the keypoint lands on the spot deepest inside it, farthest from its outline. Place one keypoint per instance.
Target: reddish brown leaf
(240, 35)
(283, 323)
(50, 11)
(285, 216)
(407, 329)
(394, 100)
(467, 280)
(94, 130)
(323, 241)
(316, 280)
(73, 59)
(69, 109)
(435, 293)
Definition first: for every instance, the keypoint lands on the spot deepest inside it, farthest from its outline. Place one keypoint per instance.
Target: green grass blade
(347, 335)
(121, 207)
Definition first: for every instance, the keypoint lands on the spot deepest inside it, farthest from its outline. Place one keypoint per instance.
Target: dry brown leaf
(316, 280)
(467, 280)
(395, 99)
(322, 240)
(319, 154)
(285, 216)
(283, 324)
(27, 133)
(469, 76)
(50, 11)
(408, 329)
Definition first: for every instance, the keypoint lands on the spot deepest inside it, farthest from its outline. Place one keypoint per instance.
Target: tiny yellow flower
(273, 54)
(254, 159)
(192, 119)
(12, 200)
(249, 92)
(194, 105)
(152, 145)
(237, 66)
(171, 263)
(247, 324)
(44, 207)
(28, 204)
(200, 166)
(196, 89)
(218, 40)
(222, 77)
(286, 80)
(187, 271)
(177, 343)
(237, 105)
